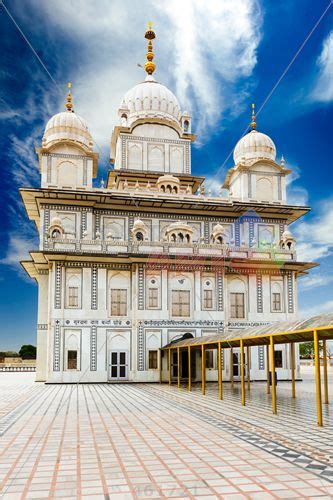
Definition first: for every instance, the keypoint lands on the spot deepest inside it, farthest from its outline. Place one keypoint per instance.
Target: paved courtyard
(155, 441)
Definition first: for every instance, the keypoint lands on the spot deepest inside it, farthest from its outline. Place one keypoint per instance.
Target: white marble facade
(124, 268)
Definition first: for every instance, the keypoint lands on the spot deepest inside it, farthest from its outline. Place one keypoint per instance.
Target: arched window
(176, 159)
(156, 159)
(219, 239)
(264, 189)
(180, 237)
(188, 239)
(73, 289)
(237, 299)
(134, 156)
(139, 236)
(173, 237)
(56, 233)
(277, 296)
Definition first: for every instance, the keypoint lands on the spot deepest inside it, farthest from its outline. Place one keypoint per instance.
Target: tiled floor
(155, 441)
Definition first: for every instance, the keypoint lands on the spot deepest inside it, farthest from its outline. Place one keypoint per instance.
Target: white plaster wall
(168, 281)
(42, 333)
(155, 130)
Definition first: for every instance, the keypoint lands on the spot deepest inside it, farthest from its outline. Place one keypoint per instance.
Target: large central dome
(150, 99)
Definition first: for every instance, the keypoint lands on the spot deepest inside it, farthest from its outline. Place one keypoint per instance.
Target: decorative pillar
(140, 348)
(56, 347)
(290, 290)
(93, 348)
(259, 294)
(318, 383)
(272, 363)
(203, 369)
(140, 287)
(58, 285)
(220, 291)
(94, 287)
(325, 372)
(219, 368)
(292, 367)
(189, 368)
(242, 371)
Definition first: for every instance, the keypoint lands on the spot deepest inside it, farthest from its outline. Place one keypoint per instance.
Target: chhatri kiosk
(129, 266)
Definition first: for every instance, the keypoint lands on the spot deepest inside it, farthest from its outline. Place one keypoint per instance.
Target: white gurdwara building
(125, 268)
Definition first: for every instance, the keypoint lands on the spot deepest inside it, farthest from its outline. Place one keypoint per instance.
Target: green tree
(28, 352)
(306, 350)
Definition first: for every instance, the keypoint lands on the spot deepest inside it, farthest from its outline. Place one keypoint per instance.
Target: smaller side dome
(179, 232)
(56, 221)
(168, 184)
(67, 126)
(287, 241)
(254, 146)
(139, 231)
(218, 234)
(286, 234)
(218, 229)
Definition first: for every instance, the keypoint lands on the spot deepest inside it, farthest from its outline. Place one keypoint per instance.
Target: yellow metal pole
(189, 369)
(169, 366)
(232, 367)
(242, 371)
(219, 369)
(267, 370)
(203, 369)
(292, 366)
(178, 367)
(272, 366)
(325, 373)
(161, 366)
(318, 384)
(248, 355)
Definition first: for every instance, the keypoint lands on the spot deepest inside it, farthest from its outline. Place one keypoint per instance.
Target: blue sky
(217, 57)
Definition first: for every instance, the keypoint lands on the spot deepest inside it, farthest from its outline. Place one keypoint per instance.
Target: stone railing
(19, 368)
(167, 248)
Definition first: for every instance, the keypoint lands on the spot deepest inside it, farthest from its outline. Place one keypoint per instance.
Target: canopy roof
(283, 332)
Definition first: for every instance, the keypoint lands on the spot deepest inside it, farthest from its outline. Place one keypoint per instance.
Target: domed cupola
(67, 126)
(153, 134)
(254, 146)
(150, 100)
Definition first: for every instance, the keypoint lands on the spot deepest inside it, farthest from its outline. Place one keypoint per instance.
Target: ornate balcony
(114, 247)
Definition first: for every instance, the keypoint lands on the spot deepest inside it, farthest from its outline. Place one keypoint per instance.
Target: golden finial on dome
(69, 104)
(150, 35)
(253, 119)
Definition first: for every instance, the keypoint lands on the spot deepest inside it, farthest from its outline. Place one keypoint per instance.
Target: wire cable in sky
(30, 45)
(277, 83)
(40, 60)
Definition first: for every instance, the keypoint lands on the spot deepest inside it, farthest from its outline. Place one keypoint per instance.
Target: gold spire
(253, 119)
(69, 104)
(150, 35)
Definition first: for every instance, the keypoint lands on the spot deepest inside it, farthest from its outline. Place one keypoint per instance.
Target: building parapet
(111, 247)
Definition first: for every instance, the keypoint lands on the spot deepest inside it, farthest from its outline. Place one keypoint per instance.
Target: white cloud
(296, 195)
(315, 238)
(18, 250)
(320, 308)
(323, 90)
(315, 281)
(202, 49)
